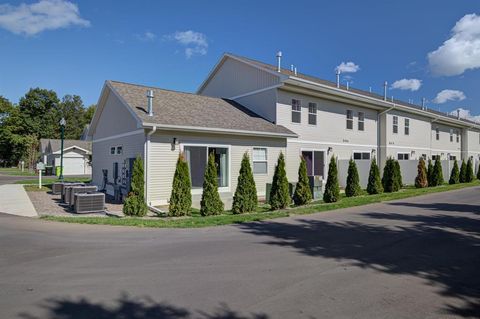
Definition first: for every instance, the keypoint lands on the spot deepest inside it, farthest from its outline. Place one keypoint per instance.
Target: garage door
(73, 166)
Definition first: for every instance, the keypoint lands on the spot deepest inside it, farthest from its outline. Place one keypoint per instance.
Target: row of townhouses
(249, 106)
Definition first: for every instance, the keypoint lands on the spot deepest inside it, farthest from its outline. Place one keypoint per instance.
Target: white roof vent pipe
(279, 61)
(423, 103)
(458, 114)
(385, 85)
(150, 102)
(337, 73)
(291, 67)
(295, 70)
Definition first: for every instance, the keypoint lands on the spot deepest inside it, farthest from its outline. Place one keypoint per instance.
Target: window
(403, 156)
(451, 135)
(315, 162)
(349, 120)
(197, 157)
(453, 158)
(437, 133)
(395, 125)
(112, 150)
(296, 111)
(457, 136)
(119, 150)
(312, 113)
(407, 126)
(116, 150)
(361, 121)
(435, 157)
(424, 156)
(361, 155)
(260, 164)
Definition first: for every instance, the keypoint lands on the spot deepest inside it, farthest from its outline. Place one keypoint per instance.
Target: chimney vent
(279, 61)
(150, 102)
(295, 70)
(338, 78)
(423, 103)
(458, 114)
(385, 84)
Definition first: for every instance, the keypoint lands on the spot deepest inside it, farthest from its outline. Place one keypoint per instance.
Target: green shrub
(463, 172)
(437, 175)
(134, 204)
(332, 189)
(469, 176)
(454, 175)
(245, 199)
(374, 182)
(390, 179)
(421, 180)
(398, 175)
(353, 181)
(210, 204)
(303, 193)
(181, 195)
(430, 173)
(478, 172)
(280, 194)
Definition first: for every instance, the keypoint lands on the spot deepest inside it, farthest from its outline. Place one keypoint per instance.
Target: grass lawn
(228, 218)
(48, 181)
(14, 171)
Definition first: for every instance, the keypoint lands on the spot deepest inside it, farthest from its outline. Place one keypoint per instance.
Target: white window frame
(451, 135)
(395, 124)
(325, 160)
(260, 161)
(403, 153)
(229, 147)
(362, 152)
(294, 110)
(406, 124)
(348, 119)
(361, 121)
(457, 135)
(437, 133)
(115, 150)
(312, 114)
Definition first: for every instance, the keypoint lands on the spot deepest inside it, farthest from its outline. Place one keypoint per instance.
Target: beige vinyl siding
(132, 145)
(234, 78)
(472, 143)
(444, 145)
(115, 119)
(331, 122)
(162, 159)
(262, 103)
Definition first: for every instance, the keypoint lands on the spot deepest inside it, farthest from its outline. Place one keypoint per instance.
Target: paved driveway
(407, 259)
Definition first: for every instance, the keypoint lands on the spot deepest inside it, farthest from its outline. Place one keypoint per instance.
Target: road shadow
(464, 208)
(131, 308)
(442, 250)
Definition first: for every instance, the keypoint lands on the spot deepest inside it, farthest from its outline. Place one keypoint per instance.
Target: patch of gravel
(46, 203)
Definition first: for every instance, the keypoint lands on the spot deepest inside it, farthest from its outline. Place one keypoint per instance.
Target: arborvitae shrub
(134, 204)
(398, 175)
(210, 204)
(463, 172)
(454, 175)
(478, 171)
(245, 199)
(303, 193)
(332, 189)
(421, 180)
(437, 177)
(469, 175)
(390, 179)
(279, 194)
(181, 195)
(353, 181)
(374, 182)
(430, 173)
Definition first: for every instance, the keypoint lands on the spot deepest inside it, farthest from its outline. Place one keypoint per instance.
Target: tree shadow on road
(465, 208)
(443, 250)
(131, 308)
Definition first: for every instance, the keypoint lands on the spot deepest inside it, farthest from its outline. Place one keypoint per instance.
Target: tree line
(37, 115)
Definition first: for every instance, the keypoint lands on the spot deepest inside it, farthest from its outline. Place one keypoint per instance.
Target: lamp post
(62, 133)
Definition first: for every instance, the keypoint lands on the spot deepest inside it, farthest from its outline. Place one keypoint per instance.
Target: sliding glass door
(315, 162)
(197, 157)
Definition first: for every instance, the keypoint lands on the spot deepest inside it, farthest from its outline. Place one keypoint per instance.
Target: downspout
(379, 148)
(146, 160)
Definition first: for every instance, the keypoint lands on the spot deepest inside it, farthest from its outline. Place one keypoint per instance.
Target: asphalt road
(10, 179)
(407, 259)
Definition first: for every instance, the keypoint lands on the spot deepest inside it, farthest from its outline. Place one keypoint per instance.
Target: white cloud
(449, 95)
(30, 19)
(347, 67)
(461, 52)
(147, 36)
(407, 84)
(195, 42)
(466, 114)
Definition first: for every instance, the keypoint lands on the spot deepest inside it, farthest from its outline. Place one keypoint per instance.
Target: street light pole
(62, 133)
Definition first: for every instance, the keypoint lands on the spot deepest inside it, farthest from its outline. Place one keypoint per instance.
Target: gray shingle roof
(334, 85)
(172, 108)
(53, 145)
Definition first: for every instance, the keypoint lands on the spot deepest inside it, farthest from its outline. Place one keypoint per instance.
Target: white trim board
(330, 143)
(119, 136)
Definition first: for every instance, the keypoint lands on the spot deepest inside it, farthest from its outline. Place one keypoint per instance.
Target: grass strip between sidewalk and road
(196, 221)
(48, 181)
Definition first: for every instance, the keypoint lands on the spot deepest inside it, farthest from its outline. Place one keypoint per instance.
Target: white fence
(363, 167)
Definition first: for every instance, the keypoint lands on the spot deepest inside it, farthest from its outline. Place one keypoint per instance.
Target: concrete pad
(14, 200)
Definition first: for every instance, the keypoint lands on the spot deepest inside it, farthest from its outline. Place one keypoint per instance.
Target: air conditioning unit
(78, 190)
(57, 188)
(89, 203)
(67, 185)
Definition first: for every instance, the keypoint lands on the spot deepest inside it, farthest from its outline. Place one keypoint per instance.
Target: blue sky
(74, 46)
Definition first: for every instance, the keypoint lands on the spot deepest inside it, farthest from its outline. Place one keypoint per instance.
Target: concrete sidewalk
(14, 200)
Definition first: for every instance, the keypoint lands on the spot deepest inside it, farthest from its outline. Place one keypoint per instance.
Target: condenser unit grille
(65, 188)
(57, 188)
(89, 203)
(77, 190)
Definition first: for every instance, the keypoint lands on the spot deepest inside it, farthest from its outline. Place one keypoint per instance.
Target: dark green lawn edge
(48, 181)
(226, 219)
